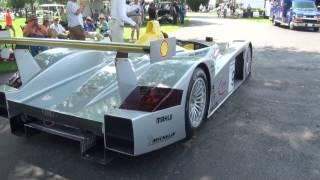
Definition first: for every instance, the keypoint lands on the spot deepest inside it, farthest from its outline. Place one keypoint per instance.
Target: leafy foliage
(194, 4)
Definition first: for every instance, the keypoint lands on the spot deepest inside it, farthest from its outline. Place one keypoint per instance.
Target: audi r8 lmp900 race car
(122, 98)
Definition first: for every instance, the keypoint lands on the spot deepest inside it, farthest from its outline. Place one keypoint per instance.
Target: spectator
(119, 17)
(36, 30)
(57, 30)
(249, 11)
(46, 24)
(225, 10)
(174, 13)
(152, 11)
(63, 18)
(142, 4)
(182, 12)
(90, 29)
(104, 26)
(89, 25)
(9, 22)
(106, 11)
(137, 18)
(75, 20)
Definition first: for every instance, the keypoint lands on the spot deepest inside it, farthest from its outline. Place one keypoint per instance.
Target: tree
(16, 3)
(194, 4)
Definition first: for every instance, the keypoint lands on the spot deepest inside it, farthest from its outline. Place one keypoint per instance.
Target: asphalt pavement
(268, 129)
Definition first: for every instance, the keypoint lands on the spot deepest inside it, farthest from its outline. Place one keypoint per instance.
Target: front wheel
(196, 108)
(291, 26)
(316, 29)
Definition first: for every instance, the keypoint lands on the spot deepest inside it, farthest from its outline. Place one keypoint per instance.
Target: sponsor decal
(164, 48)
(164, 118)
(162, 139)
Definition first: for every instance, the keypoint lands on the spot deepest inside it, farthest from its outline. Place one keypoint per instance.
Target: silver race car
(122, 98)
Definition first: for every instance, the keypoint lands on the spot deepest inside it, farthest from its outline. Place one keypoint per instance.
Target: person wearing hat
(75, 21)
(104, 26)
(89, 25)
(90, 30)
(56, 30)
(34, 29)
(9, 22)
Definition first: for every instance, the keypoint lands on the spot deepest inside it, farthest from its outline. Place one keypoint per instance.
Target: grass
(18, 22)
(7, 67)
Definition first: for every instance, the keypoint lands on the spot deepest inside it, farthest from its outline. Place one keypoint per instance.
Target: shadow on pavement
(268, 129)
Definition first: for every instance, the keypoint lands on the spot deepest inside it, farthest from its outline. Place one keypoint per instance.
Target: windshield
(47, 58)
(304, 5)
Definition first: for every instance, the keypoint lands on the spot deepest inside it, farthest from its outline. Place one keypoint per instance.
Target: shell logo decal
(164, 48)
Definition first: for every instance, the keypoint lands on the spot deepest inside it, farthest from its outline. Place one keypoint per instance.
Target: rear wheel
(248, 59)
(316, 29)
(197, 102)
(274, 22)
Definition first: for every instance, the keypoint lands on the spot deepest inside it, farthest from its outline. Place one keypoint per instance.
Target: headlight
(298, 19)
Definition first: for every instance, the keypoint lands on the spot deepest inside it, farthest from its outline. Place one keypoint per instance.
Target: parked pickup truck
(295, 14)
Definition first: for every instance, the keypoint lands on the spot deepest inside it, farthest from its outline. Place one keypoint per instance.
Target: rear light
(150, 99)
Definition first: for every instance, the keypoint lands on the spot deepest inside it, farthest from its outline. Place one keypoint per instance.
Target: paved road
(261, 34)
(269, 129)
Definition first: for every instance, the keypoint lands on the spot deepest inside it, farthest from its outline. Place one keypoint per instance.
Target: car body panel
(80, 89)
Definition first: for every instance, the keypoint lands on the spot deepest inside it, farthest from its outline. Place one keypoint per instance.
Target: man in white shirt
(118, 18)
(75, 20)
(59, 31)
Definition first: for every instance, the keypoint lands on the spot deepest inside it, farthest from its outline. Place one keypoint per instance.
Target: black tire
(249, 61)
(316, 29)
(200, 75)
(274, 22)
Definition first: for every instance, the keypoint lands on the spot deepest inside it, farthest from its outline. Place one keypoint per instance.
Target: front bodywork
(77, 96)
(287, 13)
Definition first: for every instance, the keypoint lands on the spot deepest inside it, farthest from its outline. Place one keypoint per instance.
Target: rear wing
(159, 50)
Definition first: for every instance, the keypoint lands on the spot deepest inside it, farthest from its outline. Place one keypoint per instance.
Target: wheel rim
(249, 59)
(197, 102)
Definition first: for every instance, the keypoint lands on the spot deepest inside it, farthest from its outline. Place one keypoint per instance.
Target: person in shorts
(9, 22)
(137, 18)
